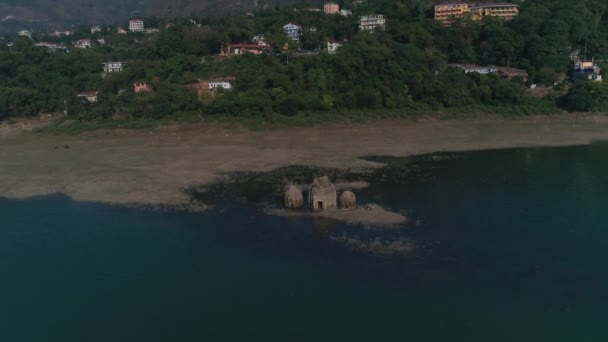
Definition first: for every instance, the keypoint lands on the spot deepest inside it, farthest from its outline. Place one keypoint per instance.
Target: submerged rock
(377, 246)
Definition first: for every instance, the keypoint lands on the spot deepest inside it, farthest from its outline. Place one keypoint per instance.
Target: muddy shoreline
(155, 167)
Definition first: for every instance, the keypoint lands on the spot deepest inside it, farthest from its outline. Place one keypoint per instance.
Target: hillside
(410, 63)
(205, 8)
(63, 13)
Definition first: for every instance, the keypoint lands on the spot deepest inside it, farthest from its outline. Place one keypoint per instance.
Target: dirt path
(153, 167)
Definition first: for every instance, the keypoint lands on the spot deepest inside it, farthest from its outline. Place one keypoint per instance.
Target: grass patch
(69, 126)
(312, 118)
(75, 127)
(527, 107)
(263, 121)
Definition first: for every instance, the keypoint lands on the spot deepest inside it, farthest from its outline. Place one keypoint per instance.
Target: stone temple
(322, 194)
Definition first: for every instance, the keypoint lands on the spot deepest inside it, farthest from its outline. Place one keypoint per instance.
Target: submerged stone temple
(293, 198)
(322, 194)
(348, 200)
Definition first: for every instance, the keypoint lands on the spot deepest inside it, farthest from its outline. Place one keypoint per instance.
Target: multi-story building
(136, 25)
(446, 11)
(331, 8)
(293, 31)
(110, 67)
(500, 10)
(372, 22)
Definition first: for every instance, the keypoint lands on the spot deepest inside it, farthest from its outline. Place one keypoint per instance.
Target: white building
(61, 33)
(220, 84)
(260, 40)
(25, 33)
(293, 31)
(110, 67)
(83, 44)
(90, 96)
(473, 68)
(372, 22)
(96, 28)
(52, 46)
(332, 47)
(345, 13)
(136, 25)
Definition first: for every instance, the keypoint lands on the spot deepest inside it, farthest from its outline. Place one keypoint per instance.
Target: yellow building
(444, 11)
(457, 9)
(501, 10)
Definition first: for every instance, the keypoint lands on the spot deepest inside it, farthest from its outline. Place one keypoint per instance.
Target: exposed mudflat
(154, 167)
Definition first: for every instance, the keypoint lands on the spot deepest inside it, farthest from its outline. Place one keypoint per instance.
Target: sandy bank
(375, 217)
(154, 167)
(17, 126)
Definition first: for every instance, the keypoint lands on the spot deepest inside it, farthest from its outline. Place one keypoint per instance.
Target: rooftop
(246, 45)
(445, 3)
(222, 79)
(494, 4)
(477, 5)
(89, 93)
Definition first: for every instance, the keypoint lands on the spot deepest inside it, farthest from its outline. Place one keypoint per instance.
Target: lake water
(511, 245)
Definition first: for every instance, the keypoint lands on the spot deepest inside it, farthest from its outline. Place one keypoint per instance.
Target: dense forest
(404, 67)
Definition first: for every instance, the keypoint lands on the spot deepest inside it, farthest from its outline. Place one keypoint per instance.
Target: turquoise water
(511, 246)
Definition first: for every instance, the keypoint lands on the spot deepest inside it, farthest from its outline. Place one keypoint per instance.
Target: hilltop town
(354, 55)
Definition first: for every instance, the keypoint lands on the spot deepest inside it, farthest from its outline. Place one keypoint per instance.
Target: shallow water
(510, 245)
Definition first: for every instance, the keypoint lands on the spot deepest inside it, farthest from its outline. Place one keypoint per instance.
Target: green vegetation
(399, 72)
(64, 13)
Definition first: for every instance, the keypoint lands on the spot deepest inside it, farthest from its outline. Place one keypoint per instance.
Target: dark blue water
(510, 246)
